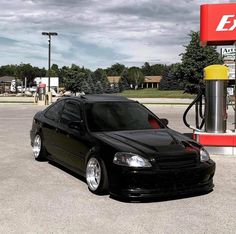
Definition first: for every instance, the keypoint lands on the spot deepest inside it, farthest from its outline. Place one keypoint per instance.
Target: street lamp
(49, 34)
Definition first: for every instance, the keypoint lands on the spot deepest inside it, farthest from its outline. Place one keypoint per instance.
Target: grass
(155, 93)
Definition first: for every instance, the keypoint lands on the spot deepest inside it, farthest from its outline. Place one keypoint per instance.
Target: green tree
(73, 78)
(21, 71)
(89, 79)
(115, 69)
(123, 82)
(194, 60)
(39, 72)
(54, 71)
(171, 79)
(136, 76)
(146, 69)
(63, 75)
(55, 68)
(159, 69)
(26, 70)
(85, 87)
(8, 70)
(98, 87)
(100, 79)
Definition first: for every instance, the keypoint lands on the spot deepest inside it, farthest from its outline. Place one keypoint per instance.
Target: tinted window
(54, 111)
(71, 112)
(116, 116)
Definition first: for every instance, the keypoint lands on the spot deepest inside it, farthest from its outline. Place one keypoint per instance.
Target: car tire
(39, 151)
(96, 176)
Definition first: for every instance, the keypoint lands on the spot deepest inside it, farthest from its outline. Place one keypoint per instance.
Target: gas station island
(217, 27)
(216, 136)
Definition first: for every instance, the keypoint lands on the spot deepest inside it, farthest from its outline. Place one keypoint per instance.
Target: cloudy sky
(96, 33)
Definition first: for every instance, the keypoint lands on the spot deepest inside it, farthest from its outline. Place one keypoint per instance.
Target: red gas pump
(42, 91)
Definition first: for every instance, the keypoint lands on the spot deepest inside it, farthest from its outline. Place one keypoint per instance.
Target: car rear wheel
(96, 176)
(39, 151)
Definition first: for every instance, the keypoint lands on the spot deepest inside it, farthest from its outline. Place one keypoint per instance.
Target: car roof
(99, 98)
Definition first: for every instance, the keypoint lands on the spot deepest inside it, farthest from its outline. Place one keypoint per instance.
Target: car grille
(176, 161)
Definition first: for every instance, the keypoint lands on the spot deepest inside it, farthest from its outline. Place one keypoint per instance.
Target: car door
(73, 140)
(50, 125)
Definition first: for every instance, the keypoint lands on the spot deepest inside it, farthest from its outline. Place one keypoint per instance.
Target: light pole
(49, 34)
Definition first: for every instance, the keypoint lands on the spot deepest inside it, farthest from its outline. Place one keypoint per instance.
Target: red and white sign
(218, 24)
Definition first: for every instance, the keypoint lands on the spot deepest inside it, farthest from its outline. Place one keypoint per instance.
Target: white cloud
(97, 33)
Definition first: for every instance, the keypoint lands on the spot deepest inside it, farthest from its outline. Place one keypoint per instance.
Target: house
(6, 79)
(5, 83)
(149, 81)
(113, 79)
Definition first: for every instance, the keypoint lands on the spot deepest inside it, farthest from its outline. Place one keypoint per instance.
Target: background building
(5, 83)
(149, 81)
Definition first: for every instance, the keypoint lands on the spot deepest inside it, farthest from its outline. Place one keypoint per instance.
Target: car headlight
(204, 155)
(130, 160)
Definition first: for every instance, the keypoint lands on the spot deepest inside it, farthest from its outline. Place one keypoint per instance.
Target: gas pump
(216, 77)
(41, 91)
(210, 103)
(199, 110)
(210, 109)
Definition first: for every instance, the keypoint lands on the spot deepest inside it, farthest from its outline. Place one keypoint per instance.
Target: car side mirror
(165, 121)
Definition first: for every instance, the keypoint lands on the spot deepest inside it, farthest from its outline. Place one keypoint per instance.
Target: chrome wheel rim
(36, 146)
(93, 174)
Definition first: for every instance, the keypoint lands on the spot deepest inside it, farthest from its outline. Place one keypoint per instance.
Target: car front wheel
(96, 176)
(39, 151)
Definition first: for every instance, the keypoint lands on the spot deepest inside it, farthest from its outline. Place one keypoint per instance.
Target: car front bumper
(136, 184)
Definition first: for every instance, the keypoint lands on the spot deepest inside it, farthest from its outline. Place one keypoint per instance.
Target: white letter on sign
(233, 27)
(223, 22)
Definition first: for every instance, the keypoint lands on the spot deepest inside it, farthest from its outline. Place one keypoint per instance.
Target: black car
(120, 147)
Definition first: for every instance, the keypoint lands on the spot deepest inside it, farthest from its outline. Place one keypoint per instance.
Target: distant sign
(54, 81)
(231, 67)
(13, 86)
(228, 53)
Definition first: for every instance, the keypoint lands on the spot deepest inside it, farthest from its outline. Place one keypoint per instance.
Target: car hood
(145, 141)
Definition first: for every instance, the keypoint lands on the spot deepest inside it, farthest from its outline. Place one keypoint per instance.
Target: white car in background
(32, 89)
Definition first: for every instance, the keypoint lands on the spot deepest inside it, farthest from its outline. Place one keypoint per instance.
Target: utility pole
(49, 34)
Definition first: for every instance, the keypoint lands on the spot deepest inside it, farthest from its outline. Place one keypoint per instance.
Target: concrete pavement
(9, 99)
(40, 197)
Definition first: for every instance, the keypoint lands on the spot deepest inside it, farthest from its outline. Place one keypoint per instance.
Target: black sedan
(121, 148)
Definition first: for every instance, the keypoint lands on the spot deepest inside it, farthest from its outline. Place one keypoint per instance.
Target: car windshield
(120, 116)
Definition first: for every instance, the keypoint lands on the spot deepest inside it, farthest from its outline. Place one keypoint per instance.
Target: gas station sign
(218, 24)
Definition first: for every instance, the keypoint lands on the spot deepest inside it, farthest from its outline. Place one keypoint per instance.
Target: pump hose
(198, 102)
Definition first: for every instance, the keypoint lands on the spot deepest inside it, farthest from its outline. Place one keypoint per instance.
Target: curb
(146, 101)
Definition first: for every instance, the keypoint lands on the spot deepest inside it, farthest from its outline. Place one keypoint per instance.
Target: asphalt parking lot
(39, 197)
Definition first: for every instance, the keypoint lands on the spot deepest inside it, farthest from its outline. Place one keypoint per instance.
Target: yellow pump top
(216, 72)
